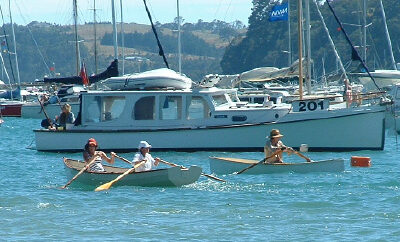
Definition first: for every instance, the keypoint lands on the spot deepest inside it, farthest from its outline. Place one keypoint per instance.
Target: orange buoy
(360, 161)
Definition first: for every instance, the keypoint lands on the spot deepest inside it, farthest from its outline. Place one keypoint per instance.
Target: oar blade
(107, 185)
(103, 187)
(213, 177)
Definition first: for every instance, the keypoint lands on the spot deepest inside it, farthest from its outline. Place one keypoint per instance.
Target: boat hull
(174, 176)
(383, 78)
(10, 109)
(221, 165)
(362, 130)
(34, 110)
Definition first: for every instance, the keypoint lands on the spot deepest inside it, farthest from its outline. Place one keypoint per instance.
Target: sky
(164, 11)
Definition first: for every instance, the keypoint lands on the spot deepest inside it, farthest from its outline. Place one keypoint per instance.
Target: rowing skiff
(225, 165)
(174, 176)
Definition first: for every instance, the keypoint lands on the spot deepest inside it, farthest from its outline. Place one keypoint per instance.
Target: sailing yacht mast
(388, 37)
(95, 36)
(78, 54)
(122, 40)
(300, 40)
(290, 38)
(15, 43)
(364, 26)
(308, 45)
(179, 39)
(114, 30)
(338, 60)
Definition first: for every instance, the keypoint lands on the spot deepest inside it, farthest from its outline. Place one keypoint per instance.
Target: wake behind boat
(174, 176)
(225, 165)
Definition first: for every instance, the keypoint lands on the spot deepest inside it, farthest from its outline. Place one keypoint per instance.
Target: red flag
(83, 75)
(52, 68)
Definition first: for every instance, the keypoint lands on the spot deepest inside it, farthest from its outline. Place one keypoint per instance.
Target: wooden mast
(300, 40)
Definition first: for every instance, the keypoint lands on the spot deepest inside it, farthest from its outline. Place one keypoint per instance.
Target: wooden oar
(203, 174)
(172, 164)
(261, 161)
(107, 185)
(301, 155)
(45, 113)
(81, 171)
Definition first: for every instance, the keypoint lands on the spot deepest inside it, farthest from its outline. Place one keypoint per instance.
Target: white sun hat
(144, 144)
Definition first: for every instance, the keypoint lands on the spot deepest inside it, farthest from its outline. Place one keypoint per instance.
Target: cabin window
(112, 107)
(144, 108)
(259, 100)
(197, 108)
(219, 100)
(245, 99)
(69, 99)
(103, 108)
(170, 107)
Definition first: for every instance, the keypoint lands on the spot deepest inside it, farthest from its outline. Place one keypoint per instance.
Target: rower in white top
(144, 155)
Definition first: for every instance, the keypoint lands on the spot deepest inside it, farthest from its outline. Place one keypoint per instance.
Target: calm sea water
(360, 203)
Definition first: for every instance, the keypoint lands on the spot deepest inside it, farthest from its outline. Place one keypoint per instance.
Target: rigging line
(5, 70)
(353, 50)
(217, 9)
(227, 9)
(33, 38)
(8, 49)
(374, 46)
(161, 51)
(152, 12)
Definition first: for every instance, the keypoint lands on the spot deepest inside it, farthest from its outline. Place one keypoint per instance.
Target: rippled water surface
(360, 203)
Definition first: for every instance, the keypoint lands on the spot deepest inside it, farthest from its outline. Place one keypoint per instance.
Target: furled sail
(111, 71)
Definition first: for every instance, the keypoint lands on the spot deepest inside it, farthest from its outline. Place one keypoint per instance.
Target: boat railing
(372, 98)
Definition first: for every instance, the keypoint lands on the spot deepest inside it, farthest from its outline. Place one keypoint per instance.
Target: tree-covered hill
(47, 49)
(266, 43)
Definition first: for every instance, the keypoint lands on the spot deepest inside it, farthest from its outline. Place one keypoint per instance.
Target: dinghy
(225, 165)
(174, 176)
(158, 78)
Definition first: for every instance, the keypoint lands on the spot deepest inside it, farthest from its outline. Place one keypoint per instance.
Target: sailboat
(111, 70)
(35, 109)
(383, 77)
(206, 118)
(11, 101)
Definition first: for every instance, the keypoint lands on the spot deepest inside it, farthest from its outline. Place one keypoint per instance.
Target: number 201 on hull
(310, 105)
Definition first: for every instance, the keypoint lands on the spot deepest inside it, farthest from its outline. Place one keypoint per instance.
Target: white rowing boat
(174, 176)
(225, 165)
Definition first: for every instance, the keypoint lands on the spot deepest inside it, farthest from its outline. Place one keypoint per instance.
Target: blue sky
(60, 11)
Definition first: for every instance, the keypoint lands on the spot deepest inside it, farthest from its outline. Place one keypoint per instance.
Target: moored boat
(225, 165)
(10, 108)
(35, 110)
(174, 176)
(166, 118)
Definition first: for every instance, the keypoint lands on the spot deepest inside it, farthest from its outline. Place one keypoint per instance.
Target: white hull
(224, 165)
(335, 130)
(383, 78)
(34, 110)
(174, 176)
